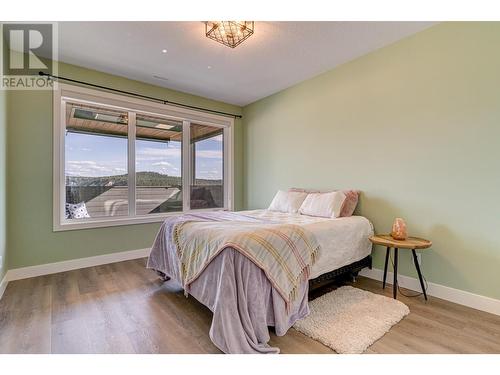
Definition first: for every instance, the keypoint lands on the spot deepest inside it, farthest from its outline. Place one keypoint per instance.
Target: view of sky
(99, 156)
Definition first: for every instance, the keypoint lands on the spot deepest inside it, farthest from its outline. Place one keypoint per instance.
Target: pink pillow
(350, 202)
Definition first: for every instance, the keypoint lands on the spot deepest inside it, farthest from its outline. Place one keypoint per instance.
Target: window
(96, 162)
(158, 150)
(119, 160)
(207, 166)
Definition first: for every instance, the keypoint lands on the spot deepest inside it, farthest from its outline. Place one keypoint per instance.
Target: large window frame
(75, 94)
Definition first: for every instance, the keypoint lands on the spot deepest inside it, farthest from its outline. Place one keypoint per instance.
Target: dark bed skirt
(351, 269)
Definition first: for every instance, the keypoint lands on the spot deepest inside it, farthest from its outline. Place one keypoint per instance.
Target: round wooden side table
(411, 243)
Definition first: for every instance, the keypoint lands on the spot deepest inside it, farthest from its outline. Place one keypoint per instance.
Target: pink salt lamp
(399, 231)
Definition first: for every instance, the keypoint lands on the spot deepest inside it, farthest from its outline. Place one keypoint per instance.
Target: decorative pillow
(350, 203)
(287, 201)
(323, 204)
(77, 211)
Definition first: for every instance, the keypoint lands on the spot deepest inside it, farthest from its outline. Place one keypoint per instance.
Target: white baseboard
(460, 297)
(3, 285)
(68, 265)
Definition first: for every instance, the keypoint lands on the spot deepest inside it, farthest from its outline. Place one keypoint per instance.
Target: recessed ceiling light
(209, 67)
(164, 51)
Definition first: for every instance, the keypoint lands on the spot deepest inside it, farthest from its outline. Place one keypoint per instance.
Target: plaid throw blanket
(285, 252)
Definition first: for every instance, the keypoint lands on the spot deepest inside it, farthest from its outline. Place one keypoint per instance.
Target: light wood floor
(123, 308)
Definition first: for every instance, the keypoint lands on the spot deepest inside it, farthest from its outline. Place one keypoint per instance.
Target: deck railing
(113, 200)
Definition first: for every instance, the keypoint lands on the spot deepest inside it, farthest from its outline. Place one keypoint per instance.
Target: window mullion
(131, 164)
(226, 169)
(60, 159)
(186, 166)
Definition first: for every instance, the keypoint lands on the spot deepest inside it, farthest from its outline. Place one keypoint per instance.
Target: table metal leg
(385, 267)
(395, 285)
(415, 260)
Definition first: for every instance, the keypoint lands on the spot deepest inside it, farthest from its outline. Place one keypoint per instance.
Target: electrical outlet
(419, 259)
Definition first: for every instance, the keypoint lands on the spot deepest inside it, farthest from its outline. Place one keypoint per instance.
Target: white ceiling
(278, 55)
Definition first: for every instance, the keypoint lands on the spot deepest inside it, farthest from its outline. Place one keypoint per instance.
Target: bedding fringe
(304, 275)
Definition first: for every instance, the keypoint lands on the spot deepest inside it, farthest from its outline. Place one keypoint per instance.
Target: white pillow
(295, 200)
(323, 204)
(287, 201)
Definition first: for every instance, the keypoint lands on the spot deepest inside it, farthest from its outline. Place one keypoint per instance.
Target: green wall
(31, 240)
(416, 127)
(3, 184)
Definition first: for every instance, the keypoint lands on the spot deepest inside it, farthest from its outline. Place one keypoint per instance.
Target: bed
(239, 290)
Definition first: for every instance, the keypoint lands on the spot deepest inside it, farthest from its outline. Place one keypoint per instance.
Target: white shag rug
(349, 320)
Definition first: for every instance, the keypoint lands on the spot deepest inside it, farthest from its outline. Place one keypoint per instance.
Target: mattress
(343, 240)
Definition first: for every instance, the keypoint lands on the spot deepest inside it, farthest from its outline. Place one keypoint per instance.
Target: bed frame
(350, 270)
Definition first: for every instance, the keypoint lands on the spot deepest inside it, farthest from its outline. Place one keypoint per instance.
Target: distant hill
(143, 179)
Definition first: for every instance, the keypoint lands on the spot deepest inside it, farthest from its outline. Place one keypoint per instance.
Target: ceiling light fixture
(229, 33)
(164, 51)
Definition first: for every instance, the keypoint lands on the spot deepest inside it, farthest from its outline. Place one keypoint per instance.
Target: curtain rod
(163, 101)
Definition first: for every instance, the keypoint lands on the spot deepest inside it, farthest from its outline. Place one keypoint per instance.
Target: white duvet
(343, 240)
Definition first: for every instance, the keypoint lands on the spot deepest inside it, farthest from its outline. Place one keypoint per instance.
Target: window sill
(77, 224)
